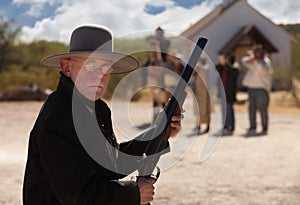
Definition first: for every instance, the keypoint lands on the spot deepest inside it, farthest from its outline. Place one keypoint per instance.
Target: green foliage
(135, 47)
(30, 54)
(25, 68)
(20, 64)
(15, 77)
(294, 29)
(8, 34)
(295, 58)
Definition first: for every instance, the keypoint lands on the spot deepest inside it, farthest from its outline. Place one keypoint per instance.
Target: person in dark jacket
(228, 75)
(73, 155)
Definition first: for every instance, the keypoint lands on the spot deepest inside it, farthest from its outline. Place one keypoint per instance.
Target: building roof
(216, 13)
(252, 32)
(205, 21)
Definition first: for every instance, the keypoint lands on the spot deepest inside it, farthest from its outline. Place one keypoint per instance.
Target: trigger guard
(156, 176)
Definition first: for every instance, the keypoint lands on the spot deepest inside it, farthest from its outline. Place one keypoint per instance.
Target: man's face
(90, 75)
(258, 54)
(223, 59)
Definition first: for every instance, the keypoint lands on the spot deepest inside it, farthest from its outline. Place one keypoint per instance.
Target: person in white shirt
(258, 80)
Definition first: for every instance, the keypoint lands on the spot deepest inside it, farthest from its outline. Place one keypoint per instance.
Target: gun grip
(177, 111)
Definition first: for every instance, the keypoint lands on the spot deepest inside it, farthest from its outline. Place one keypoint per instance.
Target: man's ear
(65, 67)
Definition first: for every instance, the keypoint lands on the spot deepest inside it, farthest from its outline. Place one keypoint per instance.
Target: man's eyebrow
(106, 62)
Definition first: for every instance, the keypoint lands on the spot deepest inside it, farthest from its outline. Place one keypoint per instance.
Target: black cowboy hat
(94, 42)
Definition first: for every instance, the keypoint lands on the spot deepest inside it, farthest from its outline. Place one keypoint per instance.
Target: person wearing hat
(258, 81)
(202, 104)
(73, 156)
(228, 79)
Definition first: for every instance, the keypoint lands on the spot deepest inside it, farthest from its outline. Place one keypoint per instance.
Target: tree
(8, 35)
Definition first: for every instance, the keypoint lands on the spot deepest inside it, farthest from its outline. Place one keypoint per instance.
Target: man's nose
(98, 74)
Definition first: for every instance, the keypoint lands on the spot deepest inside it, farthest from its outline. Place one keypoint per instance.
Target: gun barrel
(174, 104)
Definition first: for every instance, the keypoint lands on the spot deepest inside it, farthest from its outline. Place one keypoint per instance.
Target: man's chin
(94, 93)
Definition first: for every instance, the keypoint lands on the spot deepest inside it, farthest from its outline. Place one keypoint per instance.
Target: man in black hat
(73, 155)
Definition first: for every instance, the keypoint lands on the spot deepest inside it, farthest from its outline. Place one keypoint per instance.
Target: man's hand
(176, 124)
(146, 189)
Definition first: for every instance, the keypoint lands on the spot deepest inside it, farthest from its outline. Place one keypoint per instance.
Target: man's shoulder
(56, 107)
(53, 114)
(102, 105)
(218, 65)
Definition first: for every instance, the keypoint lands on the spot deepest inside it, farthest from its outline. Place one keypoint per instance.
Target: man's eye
(90, 66)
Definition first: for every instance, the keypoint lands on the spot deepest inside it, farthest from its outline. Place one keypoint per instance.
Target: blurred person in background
(258, 81)
(228, 75)
(203, 101)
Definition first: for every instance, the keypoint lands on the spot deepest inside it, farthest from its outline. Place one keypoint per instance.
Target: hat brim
(121, 63)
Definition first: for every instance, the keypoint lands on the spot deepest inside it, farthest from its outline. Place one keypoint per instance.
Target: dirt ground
(261, 170)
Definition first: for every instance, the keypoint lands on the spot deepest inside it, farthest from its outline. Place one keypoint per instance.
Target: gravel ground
(238, 170)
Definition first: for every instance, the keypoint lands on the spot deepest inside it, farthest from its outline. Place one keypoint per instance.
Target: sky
(55, 19)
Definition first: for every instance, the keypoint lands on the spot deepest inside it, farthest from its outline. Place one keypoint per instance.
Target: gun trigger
(156, 176)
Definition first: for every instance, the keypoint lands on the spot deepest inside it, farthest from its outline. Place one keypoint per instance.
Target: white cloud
(280, 11)
(122, 17)
(35, 10)
(127, 16)
(36, 6)
(166, 3)
(18, 2)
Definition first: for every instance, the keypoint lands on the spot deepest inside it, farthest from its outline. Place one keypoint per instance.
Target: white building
(235, 26)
